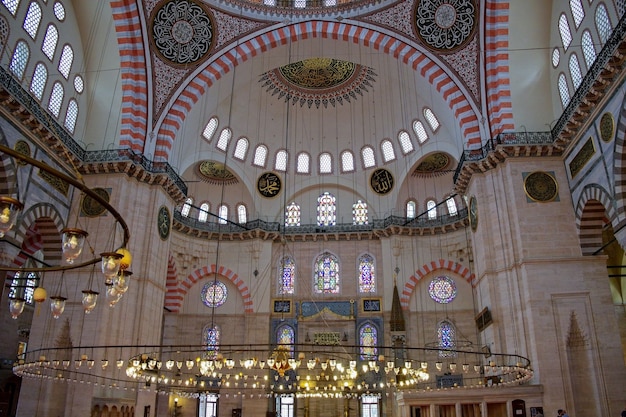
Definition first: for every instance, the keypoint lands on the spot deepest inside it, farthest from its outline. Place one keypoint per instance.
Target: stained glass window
(326, 274)
(285, 335)
(326, 210)
(369, 405)
(286, 275)
(214, 294)
(359, 213)
(442, 289)
(23, 288)
(367, 274)
(446, 337)
(292, 215)
(186, 207)
(368, 339)
(211, 341)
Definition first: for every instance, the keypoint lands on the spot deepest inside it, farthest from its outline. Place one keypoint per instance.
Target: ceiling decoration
(445, 25)
(318, 81)
(436, 163)
(216, 173)
(182, 32)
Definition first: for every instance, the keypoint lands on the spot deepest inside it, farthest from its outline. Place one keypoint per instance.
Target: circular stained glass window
(214, 294)
(442, 289)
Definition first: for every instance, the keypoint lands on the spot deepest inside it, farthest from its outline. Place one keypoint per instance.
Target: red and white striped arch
(176, 294)
(426, 269)
(443, 83)
(134, 111)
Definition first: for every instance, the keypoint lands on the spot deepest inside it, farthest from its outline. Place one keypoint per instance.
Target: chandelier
(114, 263)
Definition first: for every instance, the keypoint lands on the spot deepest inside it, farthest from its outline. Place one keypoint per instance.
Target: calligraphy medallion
(381, 181)
(269, 185)
(541, 186)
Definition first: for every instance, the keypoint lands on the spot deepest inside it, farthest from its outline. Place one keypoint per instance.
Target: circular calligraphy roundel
(445, 24)
(269, 185)
(182, 31)
(381, 181)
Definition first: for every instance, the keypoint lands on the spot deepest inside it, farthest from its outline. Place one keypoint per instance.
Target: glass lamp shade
(16, 306)
(110, 264)
(57, 306)
(121, 281)
(112, 295)
(9, 209)
(73, 241)
(89, 300)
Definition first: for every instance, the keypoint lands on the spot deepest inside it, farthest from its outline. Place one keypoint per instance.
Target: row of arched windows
(431, 208)
(590, 43)
(49, 46)
(325, 163)
(222, 212)
(326, 274)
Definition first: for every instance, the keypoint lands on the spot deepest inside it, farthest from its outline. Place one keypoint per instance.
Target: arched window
(359, 213)
(446, 338)
(71, 115)
(326, 210)
(303, 163)
(578, 13)
(368, 341)
(451, 204)
(405, 142)
(38, 83)
(56, 99)
(603, 24)
(19, 59)
(224, 139)
(269, 2)
(292, 215)
(563, 90)
(431, 206)
(49, 44)
(11, 5)
(203, 213)
(32, 19)
(286, 275)
(211, 341)
(326, 163)
(387, 148)
(347, 161)
(66, 61)
(59, 10)
(260, 156)
(242, 214)
(574, 70)
(210, 129)
(367, 274)
(326, 274)
(186, 207)
(286, 338)
(566, 35)
(241, 149)
(299, 4)
(23, 286)
(280, 164)
(223, 214)
(420, 132)
(589, 51)
(431, 119)
(411, 206)
(367, 153)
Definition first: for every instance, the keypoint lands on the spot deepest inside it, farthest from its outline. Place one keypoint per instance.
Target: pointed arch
(462, 108)
(426, 269)
(175, 296)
